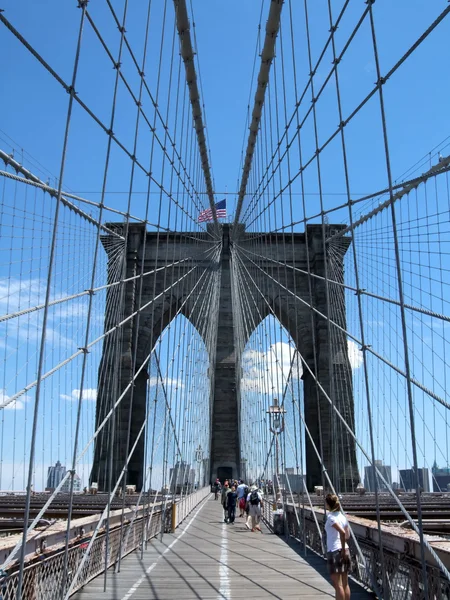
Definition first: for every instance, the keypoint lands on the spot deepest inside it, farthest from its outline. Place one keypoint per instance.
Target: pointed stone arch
(288, 300)
(164, 294)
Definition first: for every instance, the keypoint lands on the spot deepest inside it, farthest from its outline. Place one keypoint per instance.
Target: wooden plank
(207, 559)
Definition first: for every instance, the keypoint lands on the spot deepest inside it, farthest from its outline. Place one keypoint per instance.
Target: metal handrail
(43, 575)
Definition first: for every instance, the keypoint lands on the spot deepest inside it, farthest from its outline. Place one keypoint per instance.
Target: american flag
(221, 212)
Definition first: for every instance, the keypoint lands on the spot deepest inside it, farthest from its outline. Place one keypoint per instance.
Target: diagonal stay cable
(30, 178)
(13, 553)
(366, 454)
(346, 121)
(89, 111)
(100, 338)
(357, 340)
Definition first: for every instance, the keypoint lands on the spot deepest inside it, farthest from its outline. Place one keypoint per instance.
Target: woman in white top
(338, 554)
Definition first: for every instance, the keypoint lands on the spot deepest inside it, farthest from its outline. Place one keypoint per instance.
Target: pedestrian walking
(242, 493)
(231, 500)
(223, 500)
(254, 500)
(338, 553)
(216, 488)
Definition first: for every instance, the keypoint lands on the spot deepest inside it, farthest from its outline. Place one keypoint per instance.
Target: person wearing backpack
(254, 500)
(247, 517)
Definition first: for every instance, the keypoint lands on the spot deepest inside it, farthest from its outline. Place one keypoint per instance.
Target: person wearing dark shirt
(231, 500)
(223, 499)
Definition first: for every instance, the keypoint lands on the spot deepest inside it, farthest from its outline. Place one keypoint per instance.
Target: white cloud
(88, 394)
(369, 67)
(20, 294)
(73, 309)
(18, 404)
(17, 294)
(354, 355)
(268, 372)
(168, 382)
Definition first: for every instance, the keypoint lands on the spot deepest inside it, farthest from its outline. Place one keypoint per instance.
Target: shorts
(336, 564)
(242, 503)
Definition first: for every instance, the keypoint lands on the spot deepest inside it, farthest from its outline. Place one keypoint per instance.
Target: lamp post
(276, 424)
(199, 458)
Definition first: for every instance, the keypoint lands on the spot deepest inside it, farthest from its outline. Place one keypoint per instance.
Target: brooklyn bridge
(223, 232)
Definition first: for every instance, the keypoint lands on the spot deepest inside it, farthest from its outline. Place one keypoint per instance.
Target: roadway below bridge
(208, 559)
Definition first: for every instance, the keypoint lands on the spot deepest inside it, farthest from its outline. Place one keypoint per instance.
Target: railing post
(174, 517)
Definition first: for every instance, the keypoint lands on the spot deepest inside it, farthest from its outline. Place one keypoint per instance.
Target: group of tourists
(238, 495)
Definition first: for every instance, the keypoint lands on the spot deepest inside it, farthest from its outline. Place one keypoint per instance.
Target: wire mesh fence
(44, 575)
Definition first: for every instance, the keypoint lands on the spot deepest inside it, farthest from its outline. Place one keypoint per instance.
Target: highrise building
(441, 478)
(192, 476)
(369, 476)
(180, 475)
(408, 479)
(55, 475)
(290, 481)
(205, 472)
(76, 484)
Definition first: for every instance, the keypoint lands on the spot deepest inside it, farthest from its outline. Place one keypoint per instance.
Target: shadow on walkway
(319, 564)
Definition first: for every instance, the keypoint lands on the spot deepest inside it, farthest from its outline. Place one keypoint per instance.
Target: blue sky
(33, 108)
(226, 33)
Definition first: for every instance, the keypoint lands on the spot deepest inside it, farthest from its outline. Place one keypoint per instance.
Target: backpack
(254, 499)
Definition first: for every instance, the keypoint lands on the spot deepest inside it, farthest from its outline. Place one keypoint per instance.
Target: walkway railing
(401, 558)
(43, 576)
(188, 503)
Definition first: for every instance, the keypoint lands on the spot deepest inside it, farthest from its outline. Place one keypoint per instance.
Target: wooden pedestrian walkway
(207, 559)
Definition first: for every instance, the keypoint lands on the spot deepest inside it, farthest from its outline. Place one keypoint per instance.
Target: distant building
(290, 481)
(76, 485)
(180, 475)
(408, 479)
(205, 473)
(441, 478)
(55, 475)
(192, 476)
(369, 476)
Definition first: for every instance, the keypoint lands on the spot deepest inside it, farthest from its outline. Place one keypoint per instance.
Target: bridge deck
(208, 559)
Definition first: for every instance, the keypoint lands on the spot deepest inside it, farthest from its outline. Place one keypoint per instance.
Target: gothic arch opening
(159, 415)
(179, 390)
(271, 374)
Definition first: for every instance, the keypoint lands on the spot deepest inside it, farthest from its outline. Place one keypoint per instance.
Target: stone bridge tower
(304, 325)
